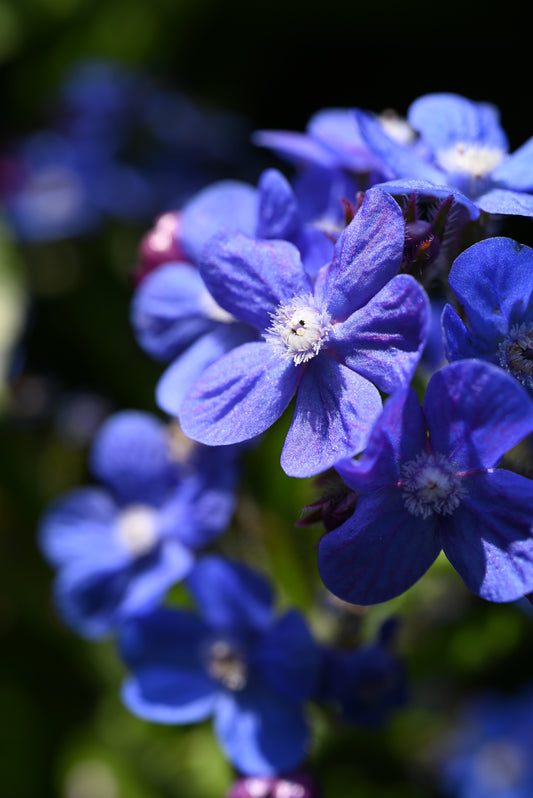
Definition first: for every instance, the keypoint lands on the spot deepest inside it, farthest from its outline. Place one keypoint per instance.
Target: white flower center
(396, 127)
(515, 353)
(470, 159)
(299, 329)
(226, 665)
(137, 529)
(430, 484)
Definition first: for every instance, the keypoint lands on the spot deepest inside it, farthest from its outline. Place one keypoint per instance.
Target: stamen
(430, 484)
(226, 665)
(515, 353)
(299, 329)
(137, 529)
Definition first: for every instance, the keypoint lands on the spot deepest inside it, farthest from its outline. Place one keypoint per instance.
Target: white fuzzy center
(471, 159)
(226, 665)
(430, 484)
(137, 529)
(298, 329)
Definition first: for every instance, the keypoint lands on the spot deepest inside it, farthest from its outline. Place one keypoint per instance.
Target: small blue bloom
(427, 482)
(493, 282)
(361, 325)
(487, 754)
(235, 661)
(118, 548)
(465, 149)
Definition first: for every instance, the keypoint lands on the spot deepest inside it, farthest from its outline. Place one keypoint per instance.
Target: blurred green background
(63, 731)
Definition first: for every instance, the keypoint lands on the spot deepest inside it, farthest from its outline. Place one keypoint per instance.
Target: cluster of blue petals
(363, 300)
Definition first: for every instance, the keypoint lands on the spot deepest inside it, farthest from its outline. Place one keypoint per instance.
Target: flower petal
(399, 435)
(499, 200)
(278, 213)
(226, 205)
(163, 695)
(384, 340)
(516, 172)
(260, 733)
(168, 310)
(475, 412)
(367, 255)
(334, 412)
(230, 596)
(250, 278)
(489, 539)
(186, 369)
(493, 281)
(445, 119)
(379, 552)
(239, 396)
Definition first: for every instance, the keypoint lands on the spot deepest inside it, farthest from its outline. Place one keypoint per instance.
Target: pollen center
(298, 329)
(471, 159)
(137, 529)
(226, 665)
(430, 484)
(515, 353)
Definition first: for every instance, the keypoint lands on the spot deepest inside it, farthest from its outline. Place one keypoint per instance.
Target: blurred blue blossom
(488, 751)
(118, 548)
(234, 660)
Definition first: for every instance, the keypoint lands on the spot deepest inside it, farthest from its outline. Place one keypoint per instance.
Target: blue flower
(235, 661)
(118, 548)
(493, 282)
(360, 324)
(488, 751)
(466, 149)
(427, 481)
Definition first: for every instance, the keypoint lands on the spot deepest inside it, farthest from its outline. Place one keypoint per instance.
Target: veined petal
(182, 373)
(475, 412)
(334, 412)
(298, 148)
(261, 734)
(380, 551)
(367, 255)
(399, 435)
(384, 340)
(493, 281)
(250, 278)
(499, 200)
(239, 396)
(489, 539)
(406, 187)
(460, 342)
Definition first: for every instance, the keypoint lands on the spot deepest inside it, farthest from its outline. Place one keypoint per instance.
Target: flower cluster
(322, 294)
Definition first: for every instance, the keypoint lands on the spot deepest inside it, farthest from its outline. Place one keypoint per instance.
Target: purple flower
(235, 661)
(427, 481)
(118, 548)
(493, 282)
(360, 326)
(465, 149)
